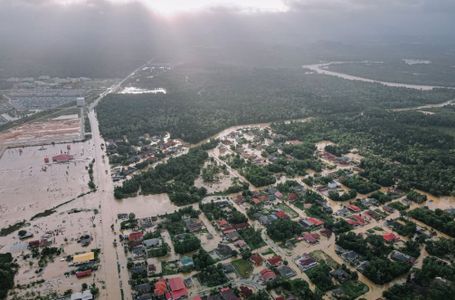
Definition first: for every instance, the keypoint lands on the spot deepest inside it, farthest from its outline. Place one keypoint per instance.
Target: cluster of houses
(341, 160)
(149, 150)
(358, 216)
(85, 264)
(248, 143)
(274, 266)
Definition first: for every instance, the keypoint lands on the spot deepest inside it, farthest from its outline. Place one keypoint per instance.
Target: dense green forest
(201, 101)
(435, 280)
(411, 149)
(175, 177)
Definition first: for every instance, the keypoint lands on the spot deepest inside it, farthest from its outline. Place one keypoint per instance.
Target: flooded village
(266, 219)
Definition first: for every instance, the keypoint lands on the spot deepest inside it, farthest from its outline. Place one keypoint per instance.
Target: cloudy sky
(55, 32)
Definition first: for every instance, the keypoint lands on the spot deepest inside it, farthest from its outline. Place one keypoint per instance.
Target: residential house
(256, 259)
(275, 261)
(306, 262)
(286, 271)
(267, 275)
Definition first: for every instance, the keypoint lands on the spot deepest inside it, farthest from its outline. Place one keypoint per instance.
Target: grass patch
(289, 211)
(243, 267)
(252, 238)
(398, 205)
(169, 268)
(268, 252)
(320, 256)
(353, 289)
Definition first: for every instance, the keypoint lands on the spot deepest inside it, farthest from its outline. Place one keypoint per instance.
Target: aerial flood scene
(227, 150)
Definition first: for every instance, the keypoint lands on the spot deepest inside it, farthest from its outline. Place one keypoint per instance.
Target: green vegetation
(260, 295)
(379, 269)
(404, 227)
(335, 196)
(243, 267)
(341, 226)
(258, 176)
(320, 276)
(360, 184)
(353, 289)
(398, 205)
(91, 183)
(197, 108)
(298, 288)
(175, 177)
(283, 229)
(12, 228)
(287, 186)
(185, 243)
(252, 238)
(159, 251)
(438, 219)
(416, 196)
(442, 248)
(381, 197)
(394, 70)
(434, 281)
(202, 259)
(211, 171)
(336, 150)
(212, 275)
(407, 148)
(8, 270)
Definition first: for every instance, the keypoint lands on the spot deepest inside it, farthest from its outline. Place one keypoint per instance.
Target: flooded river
(323, 68)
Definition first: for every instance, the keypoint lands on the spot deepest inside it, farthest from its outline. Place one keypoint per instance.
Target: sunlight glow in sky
(172, 7)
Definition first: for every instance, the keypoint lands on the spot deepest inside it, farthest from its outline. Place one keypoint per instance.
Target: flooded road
(116, 276)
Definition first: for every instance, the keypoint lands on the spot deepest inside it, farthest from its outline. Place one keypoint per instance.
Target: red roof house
(177, 287)
(241, 226)
(62, 158)
(281, 214)
(316, 222)
(256, 201)
(135, 236)
(256, 259)
(222, 223)
(354, 208)
(82, 274)
(245, 292)
(267, 275)
(360, 220)
(390, 237)
(292, 196)
(160, 288)
(310, 238)
(263, 198)
(274, 261)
